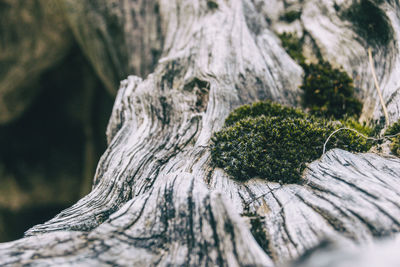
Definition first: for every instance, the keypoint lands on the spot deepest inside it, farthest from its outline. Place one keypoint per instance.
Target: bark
(156, 198)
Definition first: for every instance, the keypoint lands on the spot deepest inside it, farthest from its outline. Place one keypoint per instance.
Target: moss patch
(276, 146)
(369, 131)
(266, 108)
(370, 21)
(212, 4)
(291, 16)
(395, 141)
(257, 230)
(329, 92)
(293, 46)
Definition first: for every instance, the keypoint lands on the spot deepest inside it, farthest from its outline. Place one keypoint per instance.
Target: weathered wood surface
(120, 38)
(381, 253)
(156, 199)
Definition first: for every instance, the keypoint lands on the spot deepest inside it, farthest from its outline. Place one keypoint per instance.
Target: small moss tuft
(370, 21)
(395, 141)
(257, 230)
(329, 92)
(291, 16)
(277, 146)
(211, 4)
(293, 46)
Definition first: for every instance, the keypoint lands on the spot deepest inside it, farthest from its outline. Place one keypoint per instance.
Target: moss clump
(293, 46)
(277, 147)
(212, 4)
(257, 230)
(291, 16)
(329, 92)
(266, 108)
(395, 141)
(352, 123)
(370, 21)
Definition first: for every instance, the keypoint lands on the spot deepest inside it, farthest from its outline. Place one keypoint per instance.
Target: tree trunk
(156, 198)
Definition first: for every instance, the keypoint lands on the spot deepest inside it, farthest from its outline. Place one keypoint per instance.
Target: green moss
(267, 108)
(291, 16)
(212, 4)
(293, 46)
(350, 122)
(395, 141)
(329, 92)
(277, 146)
(257, 230)
(393, 129)
(370, 21)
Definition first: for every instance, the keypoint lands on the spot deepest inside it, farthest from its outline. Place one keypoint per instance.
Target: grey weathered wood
(328, 253)
(338, 41)
(119, 37)
(157, 200)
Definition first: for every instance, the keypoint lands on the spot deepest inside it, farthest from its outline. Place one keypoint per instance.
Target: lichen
(395, 141)
(276, 145)
(329, 91)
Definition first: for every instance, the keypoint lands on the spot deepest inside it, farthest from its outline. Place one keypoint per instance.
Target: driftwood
(156, 199)
(381, 253)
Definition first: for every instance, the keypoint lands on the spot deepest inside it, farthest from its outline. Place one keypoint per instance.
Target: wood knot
(201, 88)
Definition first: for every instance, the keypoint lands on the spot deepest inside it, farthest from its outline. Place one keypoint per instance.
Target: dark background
(48, 155)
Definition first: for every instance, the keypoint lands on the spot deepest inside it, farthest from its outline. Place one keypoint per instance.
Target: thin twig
(366, 137)
(371, 63)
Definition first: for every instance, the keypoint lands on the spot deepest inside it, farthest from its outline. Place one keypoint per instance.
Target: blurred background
(61, 62)
(53, 116)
